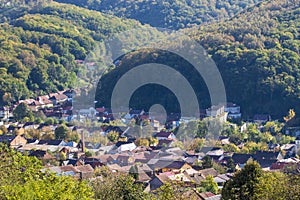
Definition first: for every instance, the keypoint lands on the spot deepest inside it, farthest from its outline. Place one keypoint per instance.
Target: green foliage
(153, 141)
(118, 187)
(253, 183)
(22, 112)
(209, 185)
(207, 162)
(196, 144)
(242, 185)
(113, 136)
(21, 178)
(259, 63)
(219, 168)
(230, 165)
(61, 132)
(170, 191)
(167, 13)
(39, 45)
(142, 142)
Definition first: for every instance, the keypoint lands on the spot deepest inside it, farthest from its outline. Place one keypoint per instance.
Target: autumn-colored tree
(113, 136)
(142, 142)
(290, 115)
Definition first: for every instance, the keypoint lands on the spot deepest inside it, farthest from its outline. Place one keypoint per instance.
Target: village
(69, 147)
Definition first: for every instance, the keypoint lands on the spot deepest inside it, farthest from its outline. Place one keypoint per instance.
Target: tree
(271, 185)
(170, 191)
(113, 136)
(230, 165)
(243, 183)
(3, 129)
(118, 186)
(142, 142)
(197, 144)
(209, 185)
(49, 121)
(236, 139)
(153, 141)
(22, 111)
(72, 136)
(290, 115)
(21, 178)
(61, 132)
(201, 130)
(133, 171)
(207, 162)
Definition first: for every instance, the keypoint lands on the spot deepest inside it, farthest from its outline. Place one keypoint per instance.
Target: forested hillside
(172, 14)
(39, 43)
(257, 53)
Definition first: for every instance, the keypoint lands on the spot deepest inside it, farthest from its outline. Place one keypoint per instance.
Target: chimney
(82, 142)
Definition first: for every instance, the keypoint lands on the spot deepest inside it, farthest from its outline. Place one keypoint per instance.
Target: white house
(126, 147)
(4, 112)
(165, 135)
(91, 112)
(233, 110)
(217, 112)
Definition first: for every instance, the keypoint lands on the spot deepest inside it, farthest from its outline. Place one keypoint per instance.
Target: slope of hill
(40, 43)
(172, 14)
(257, 53)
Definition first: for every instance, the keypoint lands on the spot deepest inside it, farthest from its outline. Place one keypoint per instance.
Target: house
(74, 162)
(261, 118)
(136, 113)
(165, 135)
(281, 165)
(4, 112)
(47, 103)
(164, 143)
(179, 166)
(290, 149)
(208, 172)
(94, 162)
(70, 93)
(217, 112)
(58, 98)
(233, 110)
(13, 140)
(79, 172)
(209, 196)
(243, 128)
(297, 142)
(220, 180)
(240, 159)
(261, 155)
(32, 141)
(85, 171)
(91, 112)
(158, 181)
(43, 155)
(30, 125)
(224, 140)
(52, 142)
(127, 146)
(267, 158)
(215, 152)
